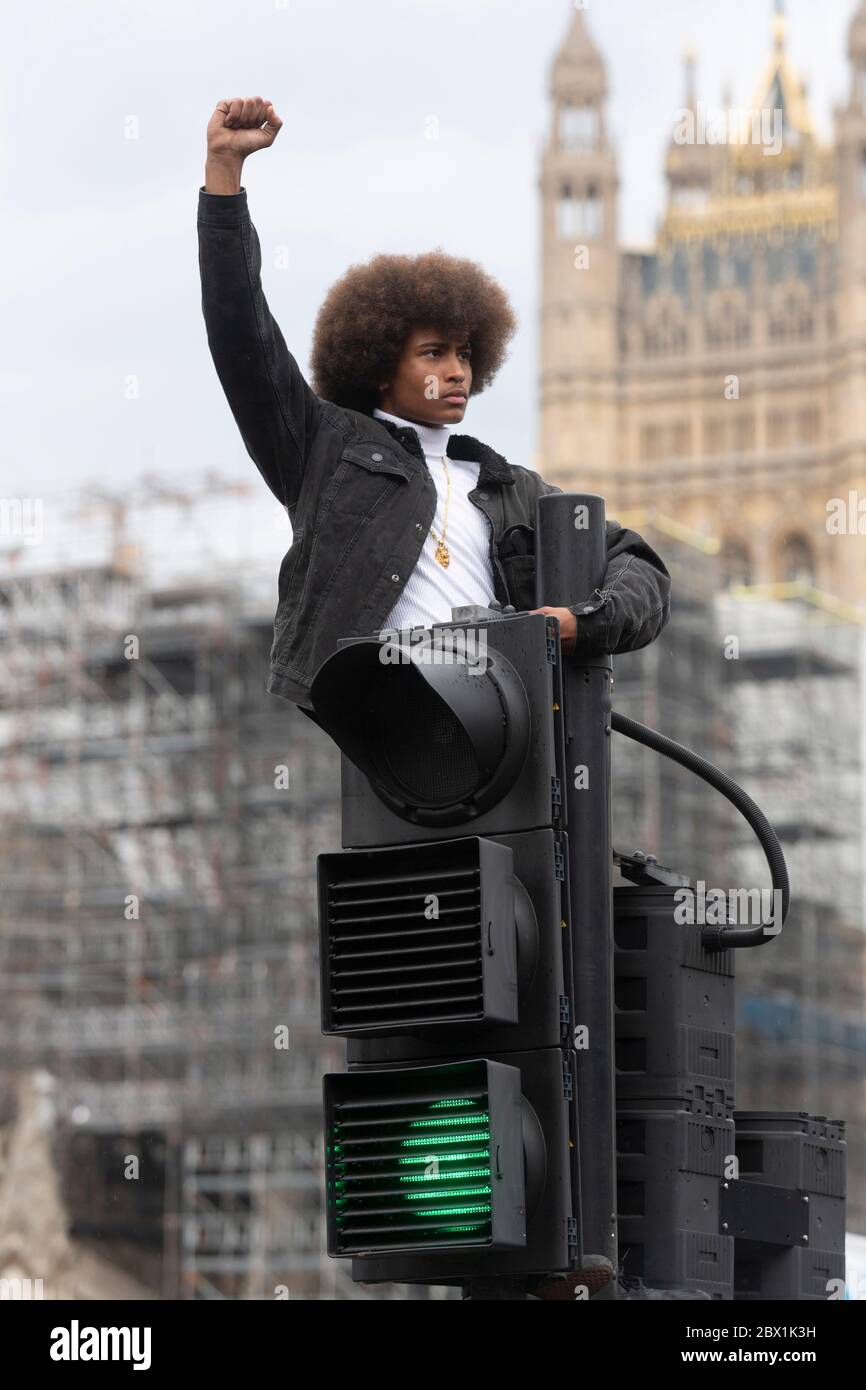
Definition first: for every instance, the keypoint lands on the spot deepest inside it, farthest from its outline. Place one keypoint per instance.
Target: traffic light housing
(439, 742)
(426, 1159)
(434, 746)
(446, 957)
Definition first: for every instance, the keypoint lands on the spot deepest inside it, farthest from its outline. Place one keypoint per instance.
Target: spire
(578, 68)
(689, 163)
(780, 88)
(578, 42)
(689, 63)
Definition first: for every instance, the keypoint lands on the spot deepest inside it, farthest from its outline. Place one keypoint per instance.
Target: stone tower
(580, 265)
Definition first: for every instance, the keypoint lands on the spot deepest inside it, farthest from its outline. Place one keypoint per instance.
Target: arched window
(578, 127)
(567, 214)
(680, 272)
(592, 213)
(578, 215)
(796, 563)
(736, 562)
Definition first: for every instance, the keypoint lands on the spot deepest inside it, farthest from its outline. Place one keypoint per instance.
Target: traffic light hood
(440, 740)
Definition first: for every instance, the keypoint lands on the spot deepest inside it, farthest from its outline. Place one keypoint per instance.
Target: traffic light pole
(571, 558)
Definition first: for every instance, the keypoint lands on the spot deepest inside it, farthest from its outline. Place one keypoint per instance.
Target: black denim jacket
(358, 492)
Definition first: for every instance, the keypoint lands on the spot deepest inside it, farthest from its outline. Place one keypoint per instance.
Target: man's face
(432, 380)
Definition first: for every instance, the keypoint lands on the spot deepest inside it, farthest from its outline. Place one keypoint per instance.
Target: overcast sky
(99, 272)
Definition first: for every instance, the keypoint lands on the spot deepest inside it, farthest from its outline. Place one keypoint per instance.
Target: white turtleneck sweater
(431, 590)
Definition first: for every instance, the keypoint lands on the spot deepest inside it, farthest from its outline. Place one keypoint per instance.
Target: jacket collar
(492, 466)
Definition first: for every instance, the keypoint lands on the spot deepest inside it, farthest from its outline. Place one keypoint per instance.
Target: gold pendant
(442, 555)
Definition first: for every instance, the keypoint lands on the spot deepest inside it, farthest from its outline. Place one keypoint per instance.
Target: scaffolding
(794, 692)
(161, 818)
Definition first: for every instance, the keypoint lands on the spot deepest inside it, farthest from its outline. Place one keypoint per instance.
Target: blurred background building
(713, 387)
(160, 815)
(717, 375)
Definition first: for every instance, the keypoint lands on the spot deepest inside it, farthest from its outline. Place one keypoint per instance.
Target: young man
(396, 518)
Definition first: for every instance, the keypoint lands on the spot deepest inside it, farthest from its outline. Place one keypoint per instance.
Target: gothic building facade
(717, 377)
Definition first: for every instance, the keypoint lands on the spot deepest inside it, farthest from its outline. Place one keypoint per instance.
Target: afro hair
(368, 314)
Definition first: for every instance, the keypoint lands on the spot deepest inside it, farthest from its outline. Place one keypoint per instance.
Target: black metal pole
(571, 558)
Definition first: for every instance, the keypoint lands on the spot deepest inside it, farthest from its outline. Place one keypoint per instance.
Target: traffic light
(467, 956)
(451, 1142)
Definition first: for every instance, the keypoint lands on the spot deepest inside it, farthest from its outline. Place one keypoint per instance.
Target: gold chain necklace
(442, 554)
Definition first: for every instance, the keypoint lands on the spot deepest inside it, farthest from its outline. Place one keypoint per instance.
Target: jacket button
(417, 526)
(484, 496)
(377, 458)
(396, 578)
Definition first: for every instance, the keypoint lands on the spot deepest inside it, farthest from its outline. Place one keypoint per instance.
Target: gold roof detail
(742, 215)
(747, 171)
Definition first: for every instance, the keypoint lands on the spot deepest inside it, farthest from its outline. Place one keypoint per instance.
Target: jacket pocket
(520, 579)
(376, 459)
(365, 477)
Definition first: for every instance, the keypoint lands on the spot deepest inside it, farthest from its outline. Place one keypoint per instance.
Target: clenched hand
(238, 127)
(241, 125)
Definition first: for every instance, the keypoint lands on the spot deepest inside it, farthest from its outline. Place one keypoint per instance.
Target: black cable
(721, 938)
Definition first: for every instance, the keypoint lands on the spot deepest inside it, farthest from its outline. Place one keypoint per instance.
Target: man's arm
(632, 605)
(275, 410)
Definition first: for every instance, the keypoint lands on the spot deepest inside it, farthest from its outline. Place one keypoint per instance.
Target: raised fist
(241, 125)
